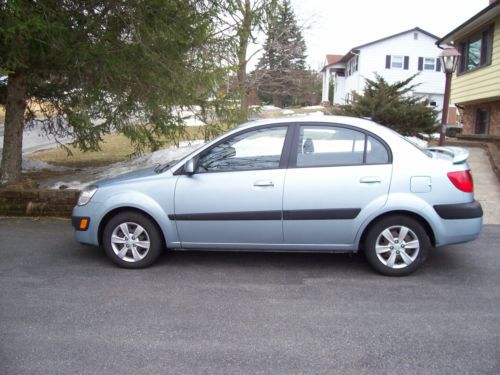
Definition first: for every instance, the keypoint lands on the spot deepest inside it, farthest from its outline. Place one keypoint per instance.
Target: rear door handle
(263, 183)
(370, 180)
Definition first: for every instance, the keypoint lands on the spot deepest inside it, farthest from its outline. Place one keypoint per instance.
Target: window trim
(289, 155)
(402, 62)
(434, 66)
(464, 50)
(293, 154)
(283, 160)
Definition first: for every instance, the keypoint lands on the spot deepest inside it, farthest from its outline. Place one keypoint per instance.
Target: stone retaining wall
(33, 202)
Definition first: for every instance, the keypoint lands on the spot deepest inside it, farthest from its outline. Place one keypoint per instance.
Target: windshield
(165, 166)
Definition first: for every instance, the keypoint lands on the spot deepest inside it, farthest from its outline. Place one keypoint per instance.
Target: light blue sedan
(296, 184)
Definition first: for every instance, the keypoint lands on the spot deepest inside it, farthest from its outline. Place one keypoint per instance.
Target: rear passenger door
(337, 176)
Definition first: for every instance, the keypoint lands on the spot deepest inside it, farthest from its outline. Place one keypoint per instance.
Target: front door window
(254, 150)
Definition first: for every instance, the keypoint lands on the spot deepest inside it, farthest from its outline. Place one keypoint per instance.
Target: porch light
(449, 58)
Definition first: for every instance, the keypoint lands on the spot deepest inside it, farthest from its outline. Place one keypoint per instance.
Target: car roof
(328, 119)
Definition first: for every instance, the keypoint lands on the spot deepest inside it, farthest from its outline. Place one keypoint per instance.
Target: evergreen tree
(281, 72)
(99, 66)
(393, 106)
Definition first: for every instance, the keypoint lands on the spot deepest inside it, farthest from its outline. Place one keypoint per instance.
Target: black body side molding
(458, 211)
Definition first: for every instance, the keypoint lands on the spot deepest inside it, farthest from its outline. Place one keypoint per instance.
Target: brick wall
(33, 202)
(469, 117)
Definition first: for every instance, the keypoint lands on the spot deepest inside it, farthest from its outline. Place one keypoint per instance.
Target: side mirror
(190, 166)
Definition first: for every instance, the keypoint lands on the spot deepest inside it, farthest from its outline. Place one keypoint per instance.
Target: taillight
(462, 180)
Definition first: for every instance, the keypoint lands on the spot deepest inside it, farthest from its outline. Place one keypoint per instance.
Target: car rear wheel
(132, 240)
(396, 245)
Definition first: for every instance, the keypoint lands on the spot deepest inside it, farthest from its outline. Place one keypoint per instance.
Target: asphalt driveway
(64, 308)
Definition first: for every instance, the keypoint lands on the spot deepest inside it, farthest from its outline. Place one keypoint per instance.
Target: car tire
(132, 240)
(396, 245)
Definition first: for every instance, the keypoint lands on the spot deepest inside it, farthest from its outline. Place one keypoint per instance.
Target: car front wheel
(396, 245)
(132, 240)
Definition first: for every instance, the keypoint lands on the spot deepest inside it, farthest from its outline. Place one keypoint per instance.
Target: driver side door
(234, 198)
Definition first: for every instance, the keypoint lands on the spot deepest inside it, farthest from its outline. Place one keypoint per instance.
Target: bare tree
(242, 20)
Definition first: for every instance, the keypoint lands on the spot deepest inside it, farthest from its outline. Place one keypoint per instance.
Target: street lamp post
(449, 59)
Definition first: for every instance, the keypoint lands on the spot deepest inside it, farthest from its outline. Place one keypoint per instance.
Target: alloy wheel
(130, 242)
(397, 247)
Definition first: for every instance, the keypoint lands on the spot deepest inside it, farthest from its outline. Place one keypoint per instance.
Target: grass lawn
(116, 147)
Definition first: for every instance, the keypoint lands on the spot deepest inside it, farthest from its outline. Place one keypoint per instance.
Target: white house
(395, 58)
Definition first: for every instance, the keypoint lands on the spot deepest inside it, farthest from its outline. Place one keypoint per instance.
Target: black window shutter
(462, 59)
(388, 61)
(407, 62)
(484, 47)
(487, 42)
(420, 63)
(438, 64)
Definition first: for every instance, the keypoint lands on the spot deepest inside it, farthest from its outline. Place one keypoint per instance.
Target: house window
(476, 50)
(482, 121)
(397, 62)
(415, 36)
(352, 66)
(429, 63)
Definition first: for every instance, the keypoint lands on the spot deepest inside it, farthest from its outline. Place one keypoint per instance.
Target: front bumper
(87, 234)
(80, 223)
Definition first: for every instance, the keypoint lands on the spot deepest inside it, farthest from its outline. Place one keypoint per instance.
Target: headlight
(86, 194)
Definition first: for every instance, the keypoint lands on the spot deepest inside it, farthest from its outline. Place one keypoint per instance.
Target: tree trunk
(244, 37)
(242, 85)
(15, 107)
(278, 100)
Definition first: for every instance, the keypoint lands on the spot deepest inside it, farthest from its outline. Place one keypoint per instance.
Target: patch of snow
(318, 113)
(60, 185)
(190, 117)
(91, 175)
(426, 136)
(269, 108)
(313, 107)
(417, 141)
(38, 165)
(288, 111)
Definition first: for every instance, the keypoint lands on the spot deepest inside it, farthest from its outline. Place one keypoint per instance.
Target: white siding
(339, 87)
(326, 86)
(354, 82)
(372, 58)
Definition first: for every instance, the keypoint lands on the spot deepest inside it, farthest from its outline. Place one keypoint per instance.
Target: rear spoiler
(459, 154)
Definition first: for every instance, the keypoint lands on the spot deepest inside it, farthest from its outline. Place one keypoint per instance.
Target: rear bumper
(454, 223)
(459, 211)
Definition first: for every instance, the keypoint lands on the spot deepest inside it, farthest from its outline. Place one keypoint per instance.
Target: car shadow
(353, 262)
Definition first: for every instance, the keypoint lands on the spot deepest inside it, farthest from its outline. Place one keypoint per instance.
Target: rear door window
(334, 146)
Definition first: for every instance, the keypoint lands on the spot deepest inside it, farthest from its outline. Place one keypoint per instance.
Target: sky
(336, 26)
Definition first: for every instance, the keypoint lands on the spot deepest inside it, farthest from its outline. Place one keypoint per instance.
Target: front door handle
(263, 183)
(370, 180)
